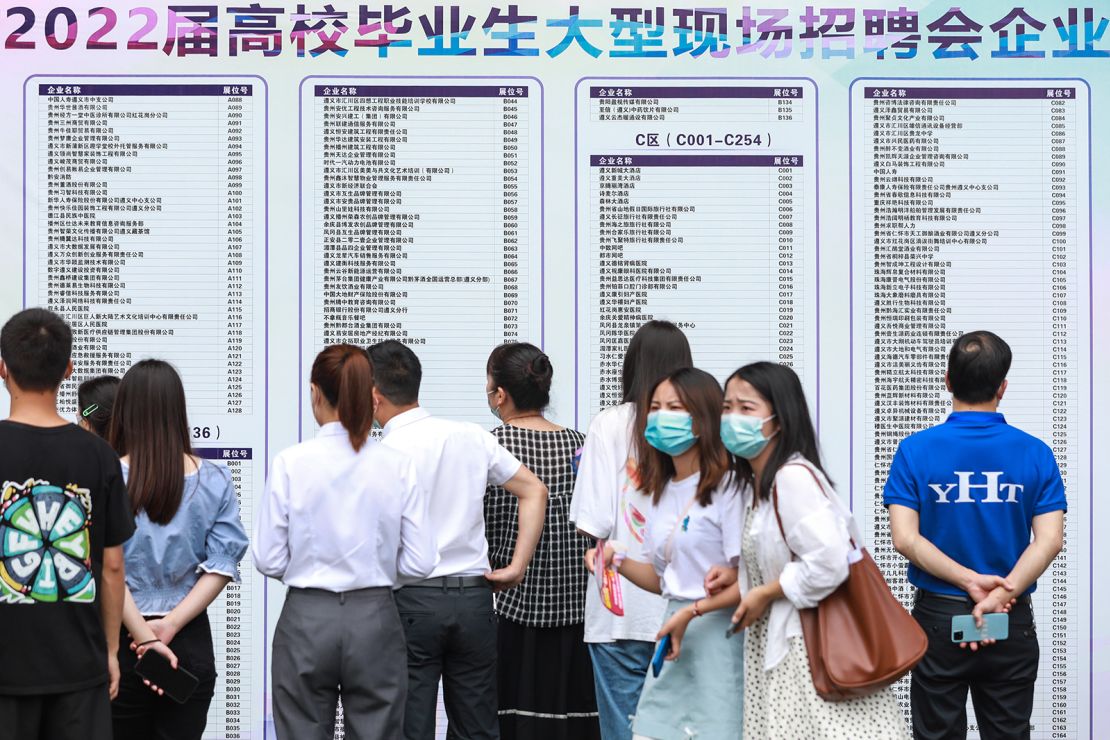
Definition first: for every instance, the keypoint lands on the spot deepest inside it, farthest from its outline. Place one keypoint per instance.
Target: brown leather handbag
(860, 639)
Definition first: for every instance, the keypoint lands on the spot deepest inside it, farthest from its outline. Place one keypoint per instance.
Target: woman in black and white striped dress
(545, 679)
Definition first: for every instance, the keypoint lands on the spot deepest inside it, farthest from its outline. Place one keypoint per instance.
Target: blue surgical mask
(495, 410)
(670, 432)
(743, 435)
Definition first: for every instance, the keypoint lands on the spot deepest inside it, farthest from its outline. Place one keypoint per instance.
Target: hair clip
(90, 410)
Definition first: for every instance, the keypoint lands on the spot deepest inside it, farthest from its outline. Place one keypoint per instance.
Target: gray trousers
(451, 632)
(329, 645)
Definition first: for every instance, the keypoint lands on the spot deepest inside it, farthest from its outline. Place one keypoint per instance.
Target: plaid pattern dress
(554, 588)
(545, 686)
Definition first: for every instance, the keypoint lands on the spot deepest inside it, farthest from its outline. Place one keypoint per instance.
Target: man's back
(455, 461)
(976, 483)
(62, 501)
(977, 507)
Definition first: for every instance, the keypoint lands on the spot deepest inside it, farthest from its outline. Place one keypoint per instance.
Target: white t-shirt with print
(700, 536)
(607, 503)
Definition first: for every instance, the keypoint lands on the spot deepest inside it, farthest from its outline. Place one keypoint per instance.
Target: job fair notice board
(806, 190)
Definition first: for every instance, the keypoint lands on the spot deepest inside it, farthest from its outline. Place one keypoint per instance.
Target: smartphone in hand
(661, 651)
(177, 683)
(995, 627)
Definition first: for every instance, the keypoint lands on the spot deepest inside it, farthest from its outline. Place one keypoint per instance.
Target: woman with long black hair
(796, 546)
(186, 548)
(608, 503)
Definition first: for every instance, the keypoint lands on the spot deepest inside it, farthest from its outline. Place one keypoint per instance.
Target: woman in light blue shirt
(186, 548)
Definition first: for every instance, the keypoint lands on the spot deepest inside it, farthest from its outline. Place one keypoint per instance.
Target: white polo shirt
(455, 461)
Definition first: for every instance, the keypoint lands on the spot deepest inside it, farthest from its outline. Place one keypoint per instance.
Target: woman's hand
(591, 556)
(158, 647)
(752, 607)
(505, 578)
(164, 629)
(719, 578)
(676, 628)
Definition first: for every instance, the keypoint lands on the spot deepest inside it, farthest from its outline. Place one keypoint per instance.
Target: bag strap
(668, 548)
(778, 516)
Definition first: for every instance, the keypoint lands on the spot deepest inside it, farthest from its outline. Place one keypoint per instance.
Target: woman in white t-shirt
(608, 504)
(694, 525)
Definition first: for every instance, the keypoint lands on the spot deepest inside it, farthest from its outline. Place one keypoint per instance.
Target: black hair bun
(540, 368)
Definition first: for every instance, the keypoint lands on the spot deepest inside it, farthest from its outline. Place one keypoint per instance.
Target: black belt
(446, 582)
(923, 594)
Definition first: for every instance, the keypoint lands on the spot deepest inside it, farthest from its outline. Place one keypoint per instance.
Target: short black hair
(36, 344)
(524, 371)
(977, 364)
(397, 371)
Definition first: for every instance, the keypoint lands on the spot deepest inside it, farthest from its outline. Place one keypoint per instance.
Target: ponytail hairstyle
(149, 424)
(343, 374)
(702, 396)
(95, 399)
(524, 372)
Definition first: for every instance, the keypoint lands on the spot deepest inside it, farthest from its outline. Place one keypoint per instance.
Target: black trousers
(1000, 677)
(450, 632)
(140, 714)
(76, 715)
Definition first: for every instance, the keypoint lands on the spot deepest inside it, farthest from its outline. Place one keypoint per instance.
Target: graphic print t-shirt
(62, 501)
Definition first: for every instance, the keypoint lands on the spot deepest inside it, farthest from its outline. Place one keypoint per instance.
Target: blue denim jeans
(620, 668)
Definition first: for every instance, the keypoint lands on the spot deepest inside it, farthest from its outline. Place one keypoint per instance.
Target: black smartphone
(178, 683)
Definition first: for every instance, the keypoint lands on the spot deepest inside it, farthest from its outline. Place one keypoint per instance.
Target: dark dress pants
(1000, 677)
(451, 632)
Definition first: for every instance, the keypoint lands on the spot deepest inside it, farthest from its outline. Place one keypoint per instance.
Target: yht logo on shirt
(44, 543)
(986, 485)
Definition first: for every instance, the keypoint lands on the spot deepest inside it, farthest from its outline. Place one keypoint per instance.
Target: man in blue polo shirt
(964, 497)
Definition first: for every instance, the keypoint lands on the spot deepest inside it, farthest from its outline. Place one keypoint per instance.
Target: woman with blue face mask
(694, 525)
(766, 426)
